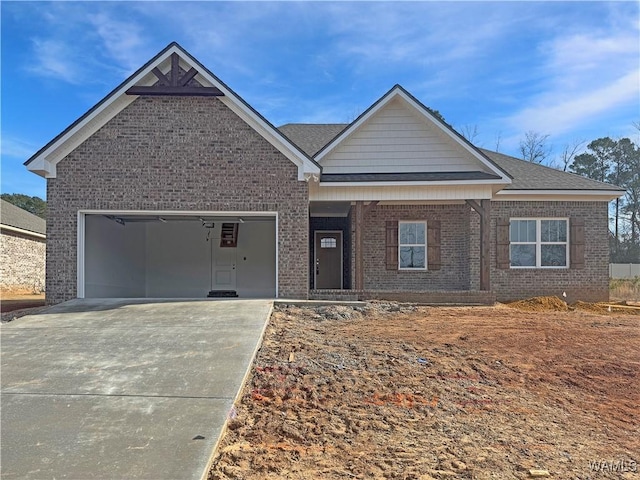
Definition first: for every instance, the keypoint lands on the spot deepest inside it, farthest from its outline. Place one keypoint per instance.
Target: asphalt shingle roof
(311, 137)
(16, 217)
(533, 176)
(526, 175)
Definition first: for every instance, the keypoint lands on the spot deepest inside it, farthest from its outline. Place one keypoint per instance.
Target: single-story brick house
(173, 186)
(23, 250)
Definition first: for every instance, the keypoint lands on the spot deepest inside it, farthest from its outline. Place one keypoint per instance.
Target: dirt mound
(592, 307)
(540, 304)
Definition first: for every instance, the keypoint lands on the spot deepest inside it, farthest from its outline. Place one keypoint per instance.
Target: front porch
(355, 253)
(435, 297)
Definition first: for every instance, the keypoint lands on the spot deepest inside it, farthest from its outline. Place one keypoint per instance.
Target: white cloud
(16, 148)
(52, 58)
(586, 74)
(122, 41)
(562, 111)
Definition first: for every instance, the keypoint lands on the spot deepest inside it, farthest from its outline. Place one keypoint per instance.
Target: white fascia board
(560, 195)
(23, 231)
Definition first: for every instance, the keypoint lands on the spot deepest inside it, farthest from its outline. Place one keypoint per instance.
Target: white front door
(224, 266)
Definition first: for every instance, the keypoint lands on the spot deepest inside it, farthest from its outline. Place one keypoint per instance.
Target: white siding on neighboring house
(396, 139)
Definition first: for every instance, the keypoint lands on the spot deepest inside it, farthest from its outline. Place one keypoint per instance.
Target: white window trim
(400, 245)
(538, 243)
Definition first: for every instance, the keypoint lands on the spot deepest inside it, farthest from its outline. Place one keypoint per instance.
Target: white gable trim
(44, 163)
(398, 92)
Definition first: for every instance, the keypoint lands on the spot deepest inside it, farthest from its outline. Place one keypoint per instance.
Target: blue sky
(567, 69)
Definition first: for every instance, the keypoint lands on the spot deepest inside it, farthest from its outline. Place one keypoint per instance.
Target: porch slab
(434, 297)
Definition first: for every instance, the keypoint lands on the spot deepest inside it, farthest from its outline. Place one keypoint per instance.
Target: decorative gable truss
(172, 72)
(176, 82)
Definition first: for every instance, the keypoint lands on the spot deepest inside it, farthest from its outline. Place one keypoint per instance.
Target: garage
(177, 254)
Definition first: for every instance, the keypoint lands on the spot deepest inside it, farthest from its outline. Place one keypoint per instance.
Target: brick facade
(590, 283)
(176, 153)
(22, 262)
(460, 252)
(454, 273)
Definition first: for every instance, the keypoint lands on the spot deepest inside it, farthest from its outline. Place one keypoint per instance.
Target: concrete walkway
(116, 389)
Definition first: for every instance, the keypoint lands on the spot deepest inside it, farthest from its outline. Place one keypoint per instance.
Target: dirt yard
(401, 392)
(16, 304)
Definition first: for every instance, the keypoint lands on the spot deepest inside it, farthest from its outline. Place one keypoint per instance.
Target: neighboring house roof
(525, 175)
(17, 218)
(44, 161)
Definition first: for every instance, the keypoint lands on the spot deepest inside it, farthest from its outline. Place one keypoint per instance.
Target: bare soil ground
(403, 392)
(16, 304)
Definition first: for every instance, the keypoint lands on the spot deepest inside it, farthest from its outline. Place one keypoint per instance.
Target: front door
(223, 261)
(328, 259)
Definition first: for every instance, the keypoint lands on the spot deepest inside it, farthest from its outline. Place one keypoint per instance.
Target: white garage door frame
(82, 214)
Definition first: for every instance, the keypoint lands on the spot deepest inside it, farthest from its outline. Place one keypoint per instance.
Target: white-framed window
(539, 242)
(412, 245)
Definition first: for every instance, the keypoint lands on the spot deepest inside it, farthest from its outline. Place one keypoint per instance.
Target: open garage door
(170, 255)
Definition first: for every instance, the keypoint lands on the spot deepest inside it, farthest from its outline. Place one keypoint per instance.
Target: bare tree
(498, 140)
(534, 148)
(470, 132)
(569, 152)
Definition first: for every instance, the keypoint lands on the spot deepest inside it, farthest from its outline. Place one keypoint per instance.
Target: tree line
(35, 205)
(614, 161)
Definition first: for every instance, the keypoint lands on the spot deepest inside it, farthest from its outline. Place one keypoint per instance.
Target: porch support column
(361, 209)
(359, 280)
(484, 210)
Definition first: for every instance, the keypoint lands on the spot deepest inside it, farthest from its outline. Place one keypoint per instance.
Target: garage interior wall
(114, 258)
(173, 259)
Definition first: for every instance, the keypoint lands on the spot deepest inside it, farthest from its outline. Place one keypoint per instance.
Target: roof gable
(167, 63)
(399, 134)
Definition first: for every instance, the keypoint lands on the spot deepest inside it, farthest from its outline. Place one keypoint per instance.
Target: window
(328, 242)
(539, 243)
(412, 245)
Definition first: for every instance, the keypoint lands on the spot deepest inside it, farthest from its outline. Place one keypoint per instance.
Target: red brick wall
(176, 153)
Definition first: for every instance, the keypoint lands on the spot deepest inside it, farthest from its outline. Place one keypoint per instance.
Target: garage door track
(121, 388)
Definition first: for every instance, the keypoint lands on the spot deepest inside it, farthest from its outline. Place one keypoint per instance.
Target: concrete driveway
(123, 389)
